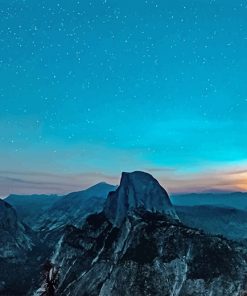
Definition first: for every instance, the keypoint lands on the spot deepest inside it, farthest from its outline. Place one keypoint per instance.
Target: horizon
(90, 89)
(174, 193)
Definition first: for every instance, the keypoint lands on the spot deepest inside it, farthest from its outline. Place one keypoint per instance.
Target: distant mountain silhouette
(236, 200)
(229, 222)
(30, 207)
(74, 207)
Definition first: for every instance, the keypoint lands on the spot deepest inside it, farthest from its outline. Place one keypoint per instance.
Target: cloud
(40, 182)
(217, 176)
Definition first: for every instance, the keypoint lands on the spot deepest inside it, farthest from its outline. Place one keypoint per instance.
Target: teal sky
(92, 88)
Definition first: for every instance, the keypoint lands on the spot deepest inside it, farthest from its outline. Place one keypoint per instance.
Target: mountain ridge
(147, 253)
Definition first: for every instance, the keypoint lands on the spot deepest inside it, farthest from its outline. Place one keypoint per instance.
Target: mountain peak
(137, 190)
(99, 189)
(101, 185)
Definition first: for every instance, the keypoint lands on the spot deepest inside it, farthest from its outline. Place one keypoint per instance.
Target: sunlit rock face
(137, 190)
(137, 246)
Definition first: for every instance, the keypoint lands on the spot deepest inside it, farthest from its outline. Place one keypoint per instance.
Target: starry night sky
(92, 88)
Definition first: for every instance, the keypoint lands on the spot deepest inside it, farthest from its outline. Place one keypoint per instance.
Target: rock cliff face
(137, 246)
(74, 207)
(137, 190)
(15, 238)
(31, 207)
(19, 261)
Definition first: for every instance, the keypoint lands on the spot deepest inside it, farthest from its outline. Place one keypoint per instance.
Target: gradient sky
(92, 88)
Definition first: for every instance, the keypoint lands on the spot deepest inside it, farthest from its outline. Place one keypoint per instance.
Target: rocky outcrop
(148, 255)
(137, 190)
(20, 254)
(15, 237)
(137, 246)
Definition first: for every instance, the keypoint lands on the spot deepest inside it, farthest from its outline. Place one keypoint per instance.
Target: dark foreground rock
(148, 251)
